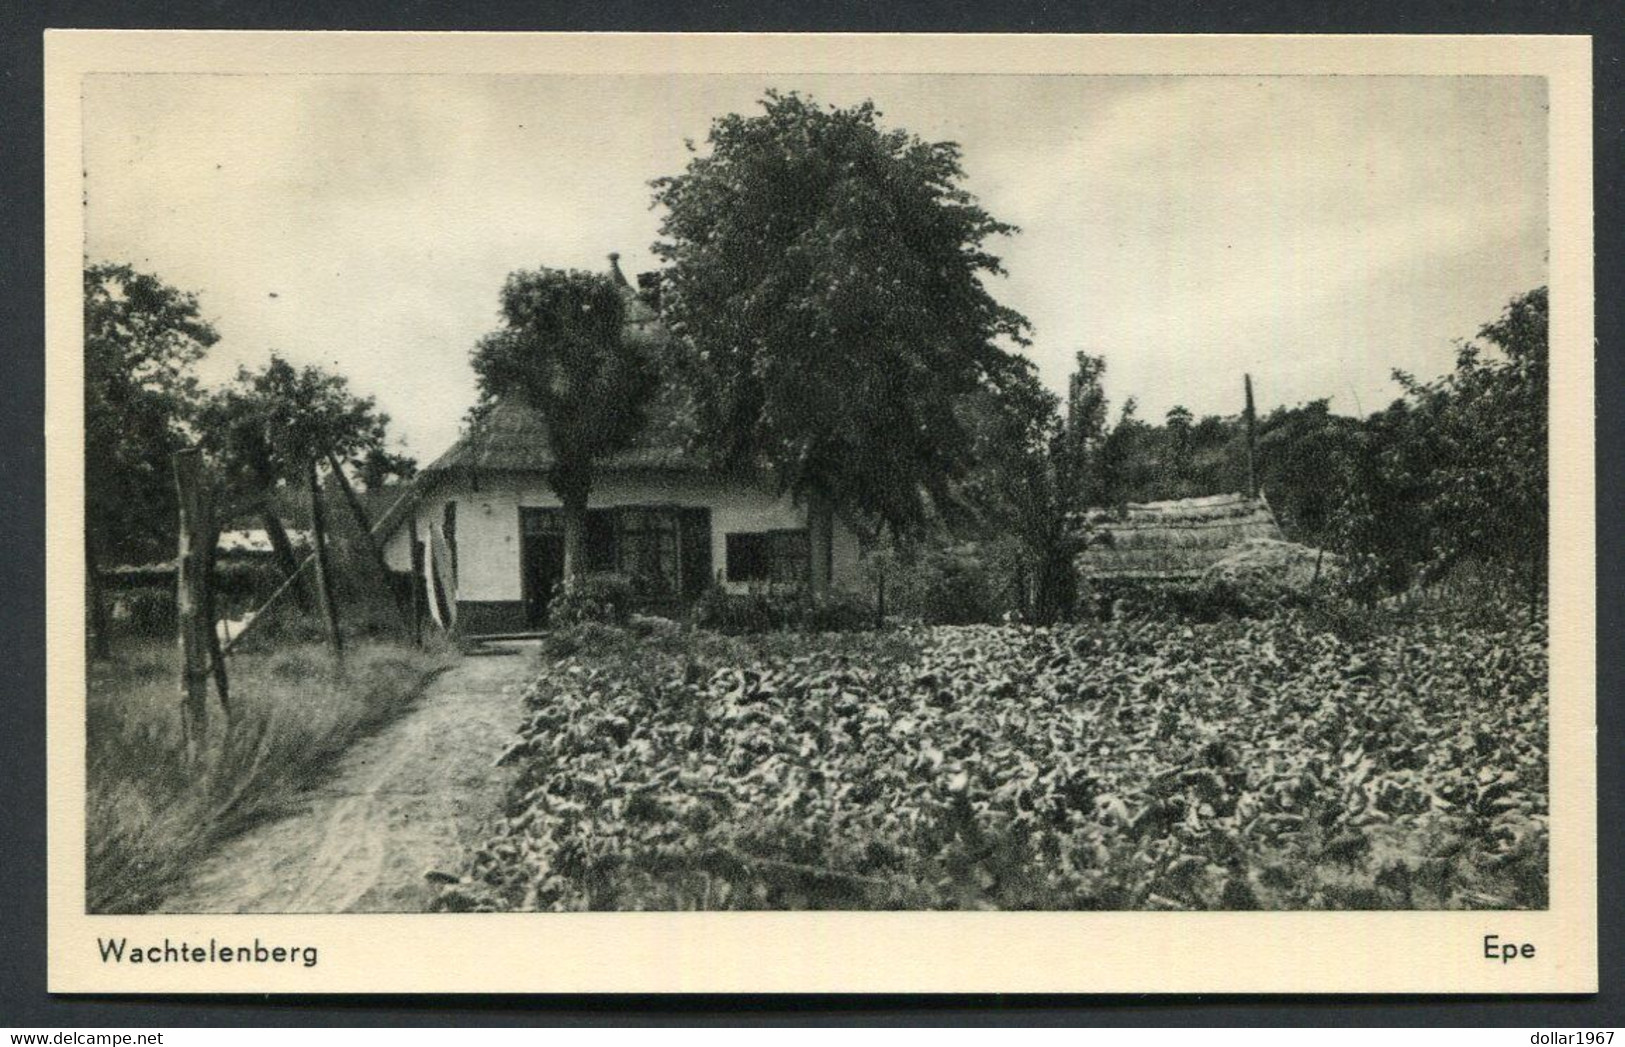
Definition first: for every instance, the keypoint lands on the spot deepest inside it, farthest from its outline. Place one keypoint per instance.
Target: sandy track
(415, 796)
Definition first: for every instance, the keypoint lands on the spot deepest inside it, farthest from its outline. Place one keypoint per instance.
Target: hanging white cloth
(442, 579)
(431, 597)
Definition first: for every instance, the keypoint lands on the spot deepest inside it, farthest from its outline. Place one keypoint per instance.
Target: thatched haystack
(1175, 539)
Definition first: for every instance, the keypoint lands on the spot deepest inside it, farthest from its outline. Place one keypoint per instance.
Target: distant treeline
(1184, 457)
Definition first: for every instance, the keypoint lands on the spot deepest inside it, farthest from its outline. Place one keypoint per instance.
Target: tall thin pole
(1252, 438)
(324, 570)
(191, 598)
(417, 578)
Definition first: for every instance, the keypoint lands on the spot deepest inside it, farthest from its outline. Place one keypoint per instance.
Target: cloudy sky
(1317, 232)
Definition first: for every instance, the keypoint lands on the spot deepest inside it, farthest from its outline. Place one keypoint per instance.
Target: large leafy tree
(566, 349)
(1456, 471)
(1489, 418)
(825, 279)
(142, 338)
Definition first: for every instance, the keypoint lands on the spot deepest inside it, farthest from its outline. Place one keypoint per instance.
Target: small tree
(825, 283)
(564, 348)
(1037, 469)
(1180, 467)
(378, 468)
(142, 338)
(1487, 422)
(268, 426)
(272, 428)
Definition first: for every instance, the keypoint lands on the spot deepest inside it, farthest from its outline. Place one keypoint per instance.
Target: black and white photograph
(814, 491)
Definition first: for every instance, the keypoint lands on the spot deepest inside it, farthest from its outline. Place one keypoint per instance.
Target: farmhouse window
(638, 542)
(768, 556)
(647, 548)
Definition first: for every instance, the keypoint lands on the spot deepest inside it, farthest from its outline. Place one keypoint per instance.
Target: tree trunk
(324, 571)
(286, 558)
(575, 538)
(573, 485)
(820, 539)
(880, 595)
(100, 644)
(1252, 439)
(1046, 591)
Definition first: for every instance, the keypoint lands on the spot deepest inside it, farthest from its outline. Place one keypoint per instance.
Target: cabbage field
(1263, 764)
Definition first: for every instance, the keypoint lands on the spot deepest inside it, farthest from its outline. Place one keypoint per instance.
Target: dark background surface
(23, 998)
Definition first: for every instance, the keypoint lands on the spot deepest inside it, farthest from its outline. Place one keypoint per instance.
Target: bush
(148, 611)
(958, 585)
(1202, 600)
(836, 612)
(590, 638)
(604, 598)
(761, 611)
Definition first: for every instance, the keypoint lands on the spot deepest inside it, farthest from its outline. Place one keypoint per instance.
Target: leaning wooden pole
(263, 612)
(324, 569)
(417, 578)
(1252, 439)
(364, 525)
(191, 598)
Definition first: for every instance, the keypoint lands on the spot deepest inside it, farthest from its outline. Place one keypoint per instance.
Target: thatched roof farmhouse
(486, 519)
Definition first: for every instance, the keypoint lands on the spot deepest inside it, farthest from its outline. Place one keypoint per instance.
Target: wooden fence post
(101, 644)
(324, 570)
(191, 598)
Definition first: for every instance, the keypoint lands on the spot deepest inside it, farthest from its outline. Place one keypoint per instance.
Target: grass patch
(150, 817)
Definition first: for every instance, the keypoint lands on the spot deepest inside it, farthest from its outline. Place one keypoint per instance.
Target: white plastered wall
(488, 522)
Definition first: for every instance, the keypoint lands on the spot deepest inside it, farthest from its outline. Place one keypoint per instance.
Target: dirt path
(413, 797)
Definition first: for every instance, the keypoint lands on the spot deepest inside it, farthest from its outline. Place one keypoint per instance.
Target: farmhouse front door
(541, 560)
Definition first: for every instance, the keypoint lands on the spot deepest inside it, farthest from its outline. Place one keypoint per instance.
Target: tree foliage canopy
(825, 279)
(270, 424)
(1456, 470)
(564, 349)
(142, 338)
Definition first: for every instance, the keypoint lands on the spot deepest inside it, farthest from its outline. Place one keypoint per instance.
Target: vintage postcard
(551, 513)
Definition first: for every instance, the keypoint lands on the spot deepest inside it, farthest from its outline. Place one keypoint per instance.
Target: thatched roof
(513, 438)
(1172, 539)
